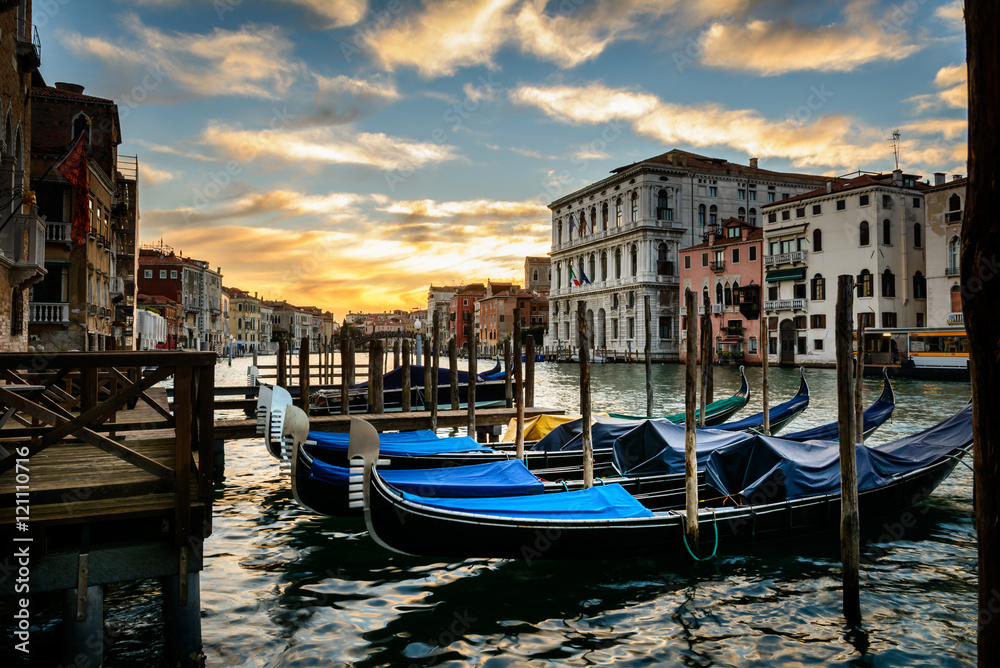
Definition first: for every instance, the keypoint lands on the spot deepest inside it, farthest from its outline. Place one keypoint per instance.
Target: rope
(961, 461)
(715, 548)
(565, 486)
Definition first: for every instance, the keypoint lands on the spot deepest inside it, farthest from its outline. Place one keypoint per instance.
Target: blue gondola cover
(400, 444)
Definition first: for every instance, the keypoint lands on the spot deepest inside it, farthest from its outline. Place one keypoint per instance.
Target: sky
(347, 154)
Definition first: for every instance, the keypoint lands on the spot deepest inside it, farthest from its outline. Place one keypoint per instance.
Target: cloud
(342, 99)
(335, 13)
(832, 140)
(326, 145)
(151, 176)
(772, 48)
(953, 93)
(252, 207)
(171, 150)
(953, 15)
(253, 61)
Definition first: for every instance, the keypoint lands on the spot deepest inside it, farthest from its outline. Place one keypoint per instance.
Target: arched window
(559, 231)
(713, 215)
(728, 299)
(919, 286)
(634, 260)
(752, 219)
(818, 287)
(618, 263)
(604, 265)
(956, 299)
(817, 240)
(954, 251)
(865, 283)
(593, 219)
(635, 207)
(604, 216)
(618, 212)
(863, 233)
(663, 267)
(592, 274)
(81, 124)
(534, 275)
(888, 283)
(661, 205)
(558, 275)
(742, 213)
(718, 293)
(701, 215)
(239, 323)
(886, 232)
(954, 204)
(583, 223)
(705, 301)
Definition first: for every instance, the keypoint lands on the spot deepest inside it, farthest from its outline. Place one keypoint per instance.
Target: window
(954, 214)
(920, 320)
(800, 212)
(841, 204)
(687, 261)
(772, 344)
(733, 232)
(752, 218)
(728, 296)
(865, 287)
(863, 233)
(534, 277)
(863, 200)
(713, 191)
(886, 232)
(800, 322)
(956, 299)
(173, 273)
(800, 346)
(954, 251)
(635, 207)
(741, 194)
(799, 291)
(583, 224)
(753, 344)
(719, 298)
(919, 286)
(866, 320)
(817, 344)
(916, 202)
(917, 241)
(661, 205)
(631, 328)
(666, 327)
(817, 209)
(147, 273)
(753, 193)
(82, 124)
(635, 260)
(604, 266)
(818, 287)
(772, 217)
(701, 215)
(618, 212)
(786, 214)
(770, 197)
(818, 321)
(888, 319)
(752, 254)
(593, 219)
(704, 259)
(163, 273)
(713, 215)
(742, 213)
(618, 263)
(604, 216)
(772, 293)
(888, 283)
(887, 201)
(785, 195)
(736, 255)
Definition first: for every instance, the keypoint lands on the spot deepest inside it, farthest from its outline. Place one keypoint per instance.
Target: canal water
(285, 588)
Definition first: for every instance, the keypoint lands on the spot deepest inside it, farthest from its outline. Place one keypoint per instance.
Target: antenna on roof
(895, 146)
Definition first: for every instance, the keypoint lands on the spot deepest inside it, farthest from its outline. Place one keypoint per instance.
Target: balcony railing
(785, 258)
(717, 309)
(22, 241)
(956, 318)
(952, 271)
(953, 217)
(58, 232)
(48, 312)
(734, 331)
(701, 310)
(785, 305)
(718, 265)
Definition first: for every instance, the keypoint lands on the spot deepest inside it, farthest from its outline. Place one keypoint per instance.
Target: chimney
(956, 177)
(939, 178)
(897, 177)
(753, 163)
(70, 87)
(829, 186)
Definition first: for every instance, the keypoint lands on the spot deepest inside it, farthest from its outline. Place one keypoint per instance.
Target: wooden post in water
(304, 374)
(405, 372)
(706, 369)
(690, 442)
(980, 305)
(508, 372)
(859, 369)
(529, 372)
(587, 436)
(473, 370)
(351, 362)
(850, 526)
(453, 370)
(436, 363)
(345, 354)
(395, 353)
(376, 385)
(765, 350)
(649, 364)
(281, 361)
(518, 386)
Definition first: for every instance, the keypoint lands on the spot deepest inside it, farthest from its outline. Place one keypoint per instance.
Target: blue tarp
(603, 502)
(766, 469)
(657, 446)
(874, 416)
(779, 413)
(507, 478)
(567, 436)
(399, 444)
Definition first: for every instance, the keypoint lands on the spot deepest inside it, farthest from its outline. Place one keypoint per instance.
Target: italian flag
(573, 279)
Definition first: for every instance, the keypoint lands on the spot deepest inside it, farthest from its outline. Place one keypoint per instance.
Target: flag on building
(583, 276)
(74, 167)
(573, 279)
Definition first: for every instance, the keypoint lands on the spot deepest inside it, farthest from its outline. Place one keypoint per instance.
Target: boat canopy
(568, 436)
(602, 502)
(537, 427)
(507, 478)
(422, 442)
(657, 446)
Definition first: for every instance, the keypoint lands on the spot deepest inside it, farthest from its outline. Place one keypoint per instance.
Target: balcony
(718, 266)
(717, 309)
(956, 318)
(701, 310)
(785, 258)
(22, 242)
(29, 47)
(58, 232)
(953, 217)
(952, 271)
(734, 331)
(785, 305)
(48, 313)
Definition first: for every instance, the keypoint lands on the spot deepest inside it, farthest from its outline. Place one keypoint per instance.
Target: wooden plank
(183, 379)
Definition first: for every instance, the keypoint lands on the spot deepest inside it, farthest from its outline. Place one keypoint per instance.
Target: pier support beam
(82, 640)
(182, 623)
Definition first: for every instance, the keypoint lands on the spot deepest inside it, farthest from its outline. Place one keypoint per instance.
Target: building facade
(945, 204)
(192, 284)
(616, 242)
(244, 320)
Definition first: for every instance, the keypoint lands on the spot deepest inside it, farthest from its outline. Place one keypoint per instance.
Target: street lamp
(417, 325)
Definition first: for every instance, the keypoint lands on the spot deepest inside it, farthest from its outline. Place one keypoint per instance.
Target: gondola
(874, 417)
(785, 491)
(716, 412)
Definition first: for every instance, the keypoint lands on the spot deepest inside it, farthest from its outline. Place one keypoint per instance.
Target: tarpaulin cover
(507, 478)
(568, 436)
(657, 446)
(874, 416)
(536, 428)
(779, 413)
(924, 447)
(602, 502)
(423, 442)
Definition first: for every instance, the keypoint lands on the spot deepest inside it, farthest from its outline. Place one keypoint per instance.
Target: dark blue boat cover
(657, 446)
(766, 469)
(423, 442)
(602, 502)
(779, 413)
(393, 380)
(568, 436)
(507, 478)
(874, 416)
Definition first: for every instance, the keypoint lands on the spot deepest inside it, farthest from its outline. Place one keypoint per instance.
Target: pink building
(726, 271)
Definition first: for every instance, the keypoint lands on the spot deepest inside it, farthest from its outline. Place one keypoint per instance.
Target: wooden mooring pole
(690, 442)
(585, 412)
(473, 370)
(707, 349)
(281, 360)
(345, 355)
(859, 384)
(529, 372)
(518, 386)
(508, 373)
(649, 364)
(405, 372)
(850, 526)
(376, 389)
(453, 371)
(304, 374)
(436, 357)
(765, 350)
